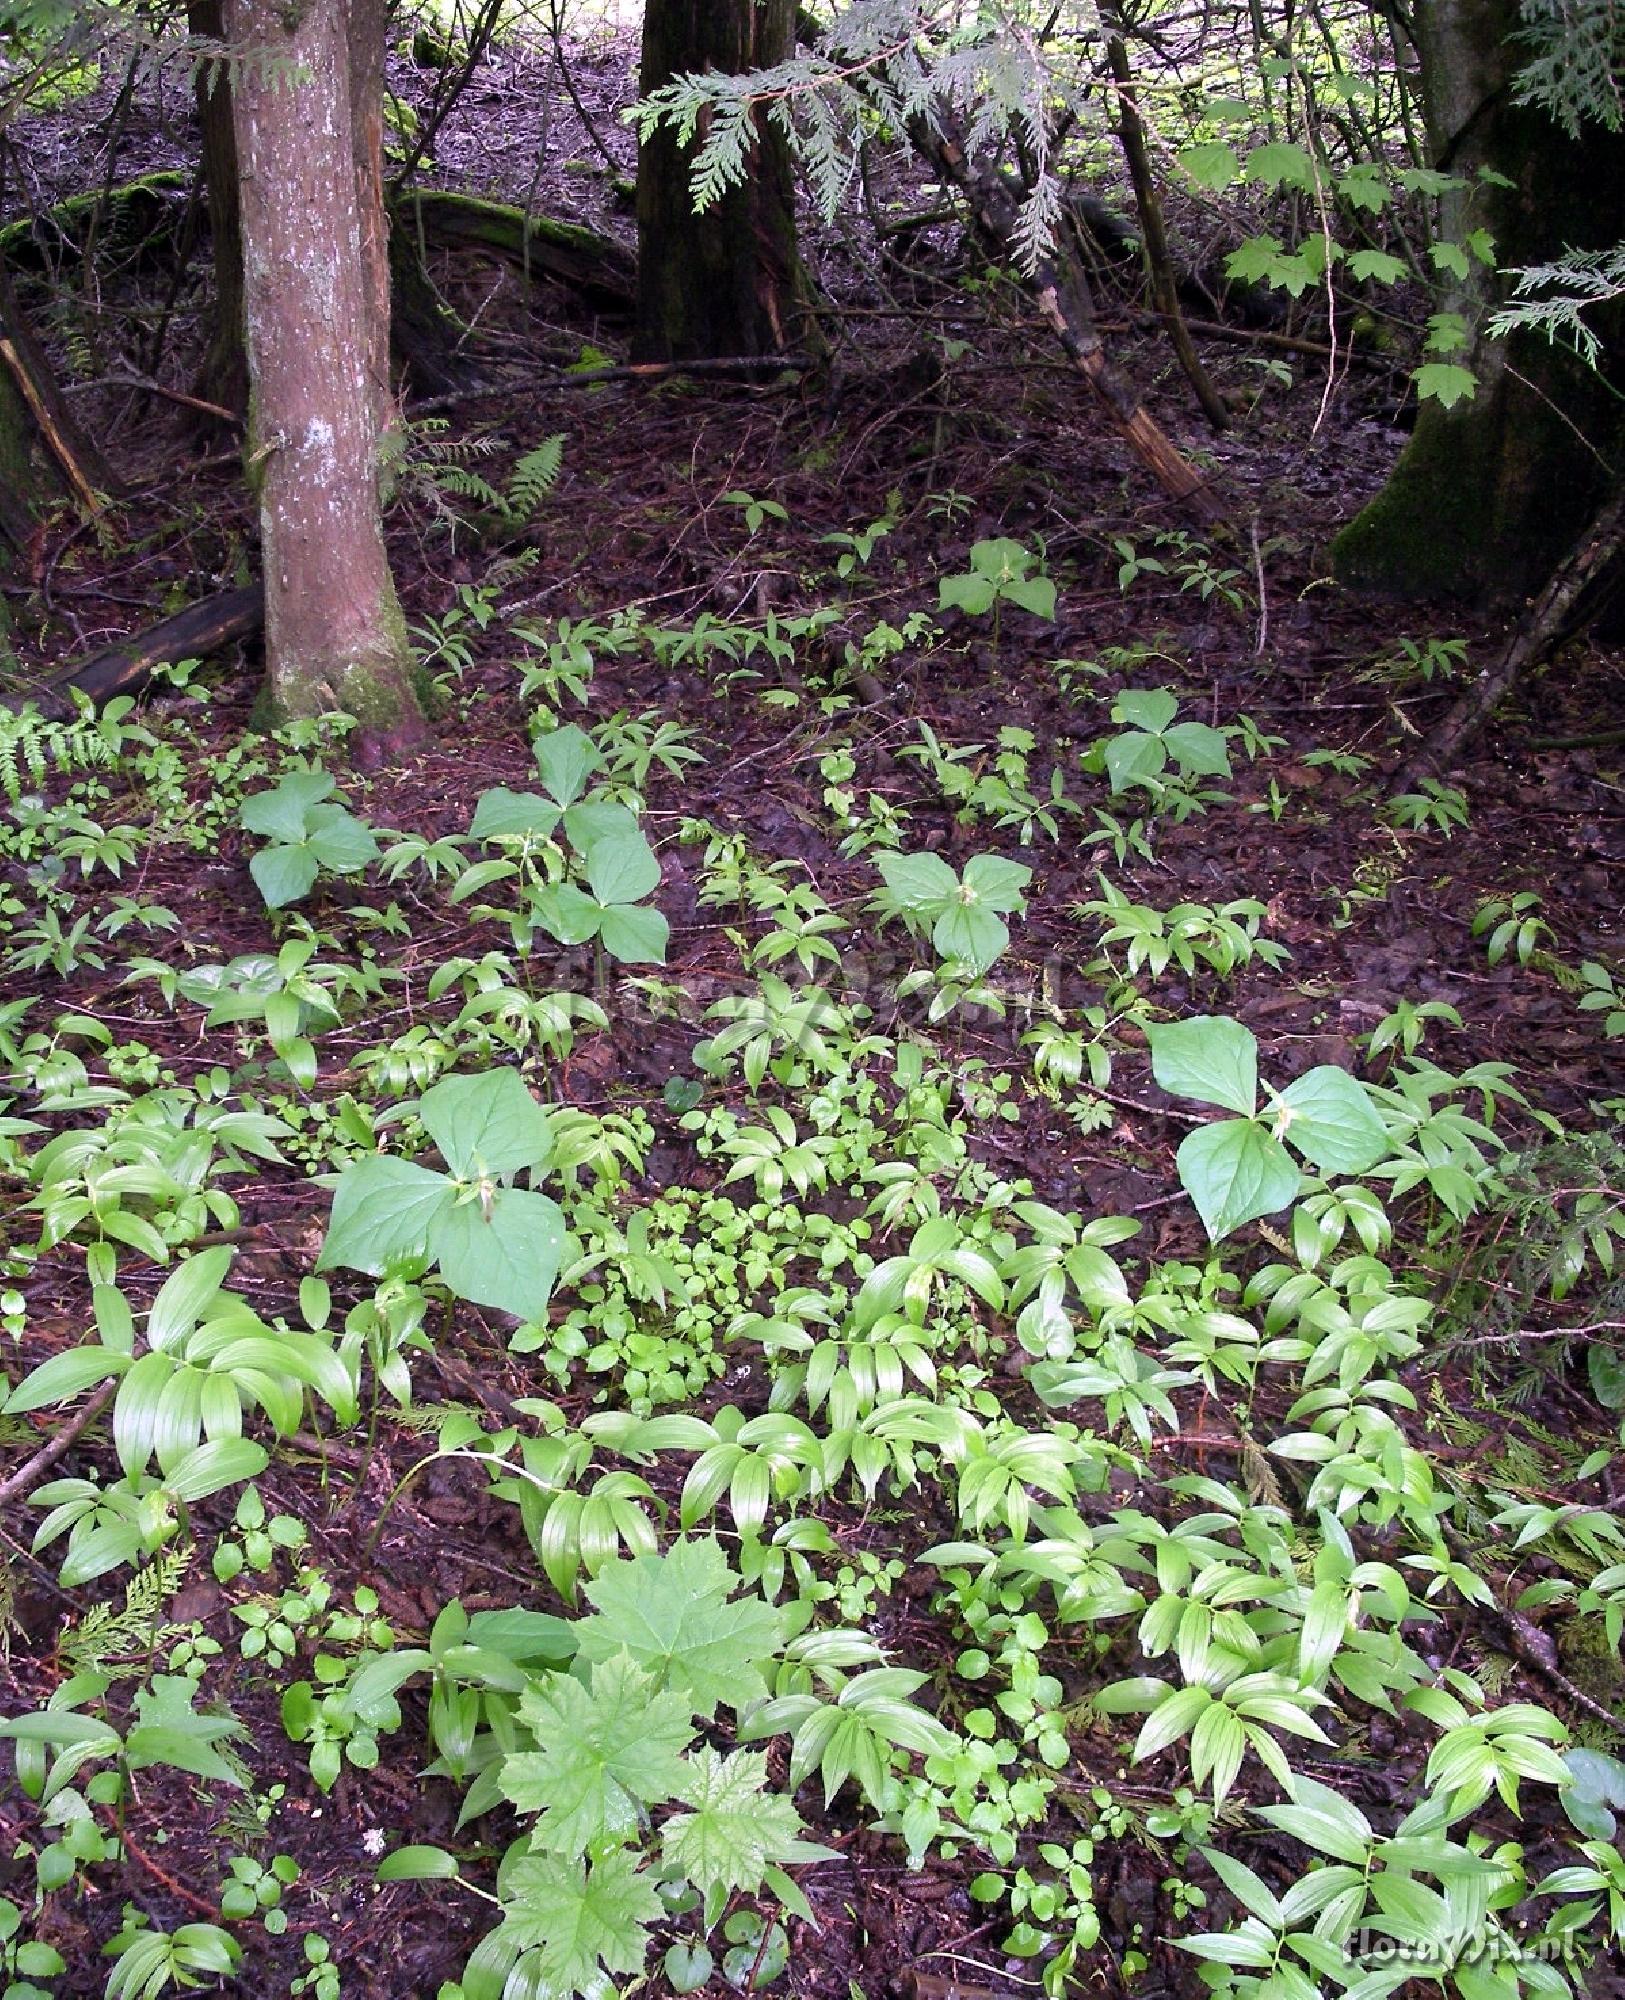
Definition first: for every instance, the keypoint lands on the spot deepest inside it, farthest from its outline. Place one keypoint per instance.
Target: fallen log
(193, 634)
(596, 266)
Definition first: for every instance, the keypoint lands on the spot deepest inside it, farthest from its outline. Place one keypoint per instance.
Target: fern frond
(535, 476)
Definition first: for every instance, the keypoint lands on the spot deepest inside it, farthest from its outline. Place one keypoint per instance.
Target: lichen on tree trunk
(729, 280)
(335, 635)
(1487, 496)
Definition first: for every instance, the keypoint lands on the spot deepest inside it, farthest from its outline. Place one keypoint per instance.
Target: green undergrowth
(850, 1478)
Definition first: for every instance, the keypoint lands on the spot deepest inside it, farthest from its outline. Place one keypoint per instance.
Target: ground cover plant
(879, 1284)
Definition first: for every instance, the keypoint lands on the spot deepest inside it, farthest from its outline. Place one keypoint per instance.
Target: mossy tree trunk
(335, 636)
(728, 281)
(1487, 497)
(222, 375)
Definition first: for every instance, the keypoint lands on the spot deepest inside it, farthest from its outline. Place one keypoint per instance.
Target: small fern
(534, 477)
(33, 749)
(439, 469)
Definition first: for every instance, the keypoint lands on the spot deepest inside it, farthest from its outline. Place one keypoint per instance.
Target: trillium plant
(495, 1244)
(1237, 1169)
(964, 914)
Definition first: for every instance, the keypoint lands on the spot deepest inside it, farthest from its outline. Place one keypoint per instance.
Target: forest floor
(946, 418)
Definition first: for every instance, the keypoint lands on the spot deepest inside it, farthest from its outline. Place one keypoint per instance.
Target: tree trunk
(369, 42)
(222, 376)
(1487, 497)
(335, 636)
(727, 281)
(1158, 263)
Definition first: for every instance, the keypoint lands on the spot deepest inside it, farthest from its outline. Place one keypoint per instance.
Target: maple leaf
(673, 1614)
(582, 1919)
(605, 1754)
(737, 1830)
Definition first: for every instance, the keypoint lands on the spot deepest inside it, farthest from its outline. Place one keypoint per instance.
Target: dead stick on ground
(48, 1454)
(1061, 293)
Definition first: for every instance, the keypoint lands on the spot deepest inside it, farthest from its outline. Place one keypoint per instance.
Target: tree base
(1487, 498)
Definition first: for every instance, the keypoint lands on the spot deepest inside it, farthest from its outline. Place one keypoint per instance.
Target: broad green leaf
(340, 841)
(737, 1830)
(1376, 266)
(1445, 383)
(674, 1614)
(1328, 1116)
(622, 870)
(970, 932)
(1137, 757)
(585, 1920)
(382, 1209)
(1449, 257)
(635, 934)
(501, 813)
(1235, 1172)
(995, 882)
(606, 1754)
(566, 758)
(566, 912)
(282, 813)
(1597, 1784)
(1281, 165)
(969, 592)
(486, 1124)
(1034, 593)
(920, 883)
(1210, 1057)
(283, 874)
(503, 1252)
(1213, 165)
(1197, 748)
(1151, 709)
(598, 819)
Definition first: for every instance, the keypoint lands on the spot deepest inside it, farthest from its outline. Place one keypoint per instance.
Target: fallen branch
(1062, 294)
(655, 371)
(62, 1437)
(1556, 614)
(201, 629)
